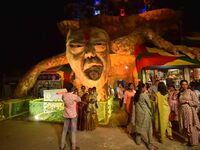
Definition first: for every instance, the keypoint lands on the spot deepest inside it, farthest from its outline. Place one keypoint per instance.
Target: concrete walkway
(18, 134)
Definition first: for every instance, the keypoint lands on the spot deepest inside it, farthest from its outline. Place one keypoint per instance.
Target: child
(94, 96)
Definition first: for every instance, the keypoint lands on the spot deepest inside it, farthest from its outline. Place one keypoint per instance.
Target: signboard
(53, 100)
(52, 96)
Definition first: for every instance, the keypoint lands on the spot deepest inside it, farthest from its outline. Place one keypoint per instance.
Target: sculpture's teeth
(90, 65)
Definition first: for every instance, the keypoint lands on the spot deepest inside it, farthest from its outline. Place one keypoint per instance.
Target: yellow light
(36, 117)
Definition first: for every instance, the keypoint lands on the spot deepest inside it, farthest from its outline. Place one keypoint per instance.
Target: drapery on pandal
(125, 32)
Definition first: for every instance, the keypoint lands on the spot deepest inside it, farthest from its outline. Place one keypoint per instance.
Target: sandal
(153, 147)
(170, 137)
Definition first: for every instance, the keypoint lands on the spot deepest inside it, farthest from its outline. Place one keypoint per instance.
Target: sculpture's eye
(100, 43)
(76, 48)
(100, 46)
(75, 45)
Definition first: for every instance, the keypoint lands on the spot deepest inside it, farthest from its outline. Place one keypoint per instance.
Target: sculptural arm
(160, 42)
(29, 79)
(192, 52)
(125, 44)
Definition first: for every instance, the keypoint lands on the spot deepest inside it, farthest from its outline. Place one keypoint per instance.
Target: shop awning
(147, 57)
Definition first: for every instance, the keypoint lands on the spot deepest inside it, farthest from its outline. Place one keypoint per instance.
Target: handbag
(172, 116)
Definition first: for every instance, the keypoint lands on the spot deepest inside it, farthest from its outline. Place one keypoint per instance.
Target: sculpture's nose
(89, 51)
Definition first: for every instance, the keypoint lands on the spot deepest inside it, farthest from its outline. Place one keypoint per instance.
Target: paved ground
(20, 134)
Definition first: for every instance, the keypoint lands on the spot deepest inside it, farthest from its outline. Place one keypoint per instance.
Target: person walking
(143, 120)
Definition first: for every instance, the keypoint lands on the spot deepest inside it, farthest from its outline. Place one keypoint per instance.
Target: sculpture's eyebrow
(75, 41)
(98, 40)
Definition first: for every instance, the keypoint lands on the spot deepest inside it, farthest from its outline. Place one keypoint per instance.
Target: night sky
(27, 40)
(29, 35)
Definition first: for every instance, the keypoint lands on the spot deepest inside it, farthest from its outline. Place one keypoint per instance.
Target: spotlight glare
(36, 117)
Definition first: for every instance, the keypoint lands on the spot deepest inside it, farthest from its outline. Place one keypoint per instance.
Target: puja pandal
(127, 57)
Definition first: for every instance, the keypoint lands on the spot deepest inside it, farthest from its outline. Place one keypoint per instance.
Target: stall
(53, 78)
(153, 64)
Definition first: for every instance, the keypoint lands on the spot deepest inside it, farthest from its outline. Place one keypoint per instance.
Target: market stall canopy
(147, 57)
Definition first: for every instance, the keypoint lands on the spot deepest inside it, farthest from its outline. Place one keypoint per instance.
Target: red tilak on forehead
(87, 35)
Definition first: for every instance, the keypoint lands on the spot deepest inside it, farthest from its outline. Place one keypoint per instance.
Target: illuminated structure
(131, 32)
(128, 35)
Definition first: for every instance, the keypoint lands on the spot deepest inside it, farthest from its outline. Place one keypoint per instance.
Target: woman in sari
(188, 119)
(163, 125)
(143, 120)
(91, 122)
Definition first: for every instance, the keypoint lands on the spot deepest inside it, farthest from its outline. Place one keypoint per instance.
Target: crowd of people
(159, 108)
(151, 110)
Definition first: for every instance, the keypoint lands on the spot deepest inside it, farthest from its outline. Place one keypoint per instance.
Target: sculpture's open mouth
(94, 72)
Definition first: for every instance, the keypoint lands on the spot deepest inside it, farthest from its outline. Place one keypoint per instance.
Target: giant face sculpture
(87, 48)
(87, 51)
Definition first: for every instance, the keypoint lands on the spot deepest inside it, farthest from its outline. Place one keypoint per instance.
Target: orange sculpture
(102, 48)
